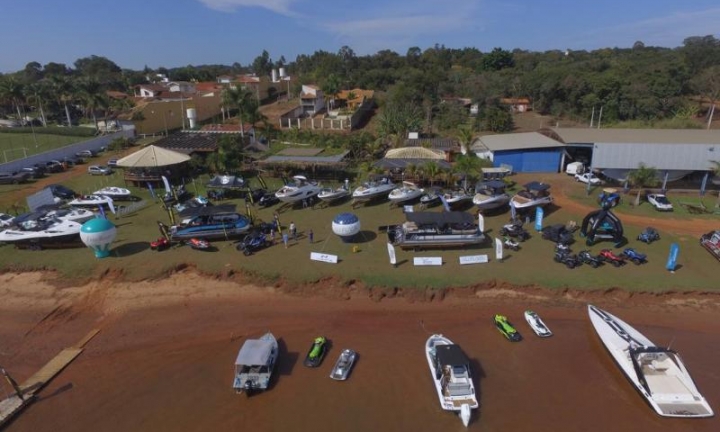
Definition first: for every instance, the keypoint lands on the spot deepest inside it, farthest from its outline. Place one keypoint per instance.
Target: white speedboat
(333, 194)
(535, 194)
(255, 363)
(40, 233)
(407, 192)
(343, 365)
(658, 373)
(299, 190)
(451, 374)
(490, 195)
(431, 198)
(373, 189)
(456, 198)
(91, 201)
(79, 215)
(116, 193)
(537, 324)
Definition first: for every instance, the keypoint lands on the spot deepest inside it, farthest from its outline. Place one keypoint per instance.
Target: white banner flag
(391, 253)
(111, 205)
(481, 223)
(498, 249)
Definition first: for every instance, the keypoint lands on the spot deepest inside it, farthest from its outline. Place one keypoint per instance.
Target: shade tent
(152, 156)
(414, 153)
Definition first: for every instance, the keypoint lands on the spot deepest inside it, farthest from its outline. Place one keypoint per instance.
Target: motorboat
(407, 192)
(300, 189)
(431, 197)
(535, 194)
(330, 195)
(116, 193)
(456, 197)
(41, 232)
(255, 363)
(537, 324)
(78, 214)
(373, 189)
(490, 195)
(91, 201)
(343, 365)
(435, 229)
(210, 223)
(657, 373)
(451, 374)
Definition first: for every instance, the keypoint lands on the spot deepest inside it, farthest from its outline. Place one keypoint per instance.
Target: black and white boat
(373, 189)
(78, 214)
(537, 324)
(210, 223)
(657, 373)
(407, 192)
(435, 229)
(255, 363)
(452, 377)
(41, 232)
(343, 365)
(116, 193)
(456, 197)
(300, 189)
(91, 201)
(490, 195)
(535, 194)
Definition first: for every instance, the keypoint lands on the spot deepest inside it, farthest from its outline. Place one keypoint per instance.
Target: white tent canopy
(414, 153)
(152, 156)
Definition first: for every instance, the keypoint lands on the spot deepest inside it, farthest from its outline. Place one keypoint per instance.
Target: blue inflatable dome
(97, 225)
(346, 219)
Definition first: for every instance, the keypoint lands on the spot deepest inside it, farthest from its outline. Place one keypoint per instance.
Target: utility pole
(592, 118)
(12, 382)
(600, 117)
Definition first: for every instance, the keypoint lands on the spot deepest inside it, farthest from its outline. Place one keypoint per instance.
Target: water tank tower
(192, 117)
(274, 75)
(282, 72)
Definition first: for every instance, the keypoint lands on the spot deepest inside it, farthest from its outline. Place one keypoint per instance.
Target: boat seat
(659, 365)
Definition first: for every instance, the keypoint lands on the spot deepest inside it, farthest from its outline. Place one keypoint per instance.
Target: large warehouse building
(524, 152)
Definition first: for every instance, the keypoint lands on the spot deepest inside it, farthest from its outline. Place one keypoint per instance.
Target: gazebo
(150, 164)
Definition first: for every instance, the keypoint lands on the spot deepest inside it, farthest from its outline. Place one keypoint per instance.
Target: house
(355, 98)
(449, 146)
(524, 152)
(181, 86)
(311, 100)
(517, 104)
(149, 90)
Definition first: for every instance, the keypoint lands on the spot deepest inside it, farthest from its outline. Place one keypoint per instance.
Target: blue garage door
(541, 160)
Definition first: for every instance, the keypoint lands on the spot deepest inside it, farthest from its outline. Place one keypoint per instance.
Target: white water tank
(282, 72)
(192, 117)
(274, 75)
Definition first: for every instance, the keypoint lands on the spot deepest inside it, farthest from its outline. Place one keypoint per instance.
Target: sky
(172, 33)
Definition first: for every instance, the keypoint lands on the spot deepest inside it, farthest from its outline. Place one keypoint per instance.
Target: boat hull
(491, 203)
(332, 196)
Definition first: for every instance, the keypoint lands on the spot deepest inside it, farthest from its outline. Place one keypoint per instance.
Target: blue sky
(170, 33)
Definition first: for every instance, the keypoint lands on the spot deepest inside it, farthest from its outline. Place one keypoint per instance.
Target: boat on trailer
(535, 194)
(452, 377)
(490, 195)
(116, 193)
(373, 189)
(407, 192)
(300, 189)
(330, 195)
(658, 373)
(255, 363)
(38, 233)
(435, 229)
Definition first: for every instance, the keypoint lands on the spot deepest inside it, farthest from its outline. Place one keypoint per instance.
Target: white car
(588, 177)
(660, 202)
(6, 220)
(99, 170)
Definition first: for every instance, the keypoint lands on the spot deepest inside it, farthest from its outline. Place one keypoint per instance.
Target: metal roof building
(525, 152)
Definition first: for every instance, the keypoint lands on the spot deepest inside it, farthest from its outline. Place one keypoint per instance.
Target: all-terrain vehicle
(511, 244)
(636, 257)
(649, 235)
(558, 233)
(606, 255)
(515, 229)
(570, 260)
(590, 259)
(252, 242)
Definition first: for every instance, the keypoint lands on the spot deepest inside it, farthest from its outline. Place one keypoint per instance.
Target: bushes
(53, 130)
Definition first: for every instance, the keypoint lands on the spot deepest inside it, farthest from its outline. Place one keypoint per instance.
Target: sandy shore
(163, 359)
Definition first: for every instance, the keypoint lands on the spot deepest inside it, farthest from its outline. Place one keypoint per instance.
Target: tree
(331, 88)
(399, 120)
(465, 137)
(92, 98)
(228, 157)
(63, 89)
(641, 178)
(262, 65)
(243, 101)
(37, 93)
(469, 166)
(497, 59)
(11, 91)
(432, 170)
(708, 85)
(498, 119)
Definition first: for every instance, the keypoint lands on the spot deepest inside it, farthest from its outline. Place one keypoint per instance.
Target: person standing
(310, 235)
(293, 231)
(285, 239)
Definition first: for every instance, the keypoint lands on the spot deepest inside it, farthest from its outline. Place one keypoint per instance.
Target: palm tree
(331, 89)
(244, 101)
(12, 91)
(465, 136)
(37, 93)
(641, 178)
(410, 171)
(92, 97)
(469, 166)
(64, 90)
(432, 171)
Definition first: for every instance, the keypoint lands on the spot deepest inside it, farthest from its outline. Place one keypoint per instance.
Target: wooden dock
(32, 386)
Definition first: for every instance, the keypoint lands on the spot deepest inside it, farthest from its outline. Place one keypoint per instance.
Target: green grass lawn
(17, 145)
(532, 265)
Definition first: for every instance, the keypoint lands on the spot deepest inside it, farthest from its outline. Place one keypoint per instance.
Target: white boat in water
(333, 194)
(299, 190)
(373, 189)
(343, 365)
(435, 229)
(116, 193)
(43, 232)
(91, 201)
(535, 194)
(255, 363)
(490, 195)
(658, 373)
(537, 324)
(451, 374)
(407, 192)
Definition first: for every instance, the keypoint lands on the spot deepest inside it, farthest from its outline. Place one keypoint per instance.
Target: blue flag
(445, 203)
(102, 211)
(152, 191)
(539, 213)
(672, 258)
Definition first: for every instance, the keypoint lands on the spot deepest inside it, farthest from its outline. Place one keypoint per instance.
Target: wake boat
(435, 229)
(43, 232)
(255, 363)
(431, 198)
(456, 197)
(91, 201)
(450, 371)
(299, 190)
(535, 194)
(537, 324)
(210, 223)
(407, 192)
(333, 194)
(373, 189)
(658, 373)
(343, 365)
(490, 195)
(79, 215)
(116, 193)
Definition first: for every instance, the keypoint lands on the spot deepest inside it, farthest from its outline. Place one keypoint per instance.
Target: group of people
(289, 234)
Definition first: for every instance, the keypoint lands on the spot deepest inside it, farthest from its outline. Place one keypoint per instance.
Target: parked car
(14, 177)
(34, 172)
(54, 166)
(62, 192)
(99, 170)
(588, 177)
(86, 153)
(660, 202)
(112, 163)
(6, 220)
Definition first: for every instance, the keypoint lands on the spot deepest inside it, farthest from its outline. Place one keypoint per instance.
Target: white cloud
(279, 6)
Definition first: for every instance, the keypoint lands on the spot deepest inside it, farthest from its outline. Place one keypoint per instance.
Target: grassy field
(532, 265)
(17, 145)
